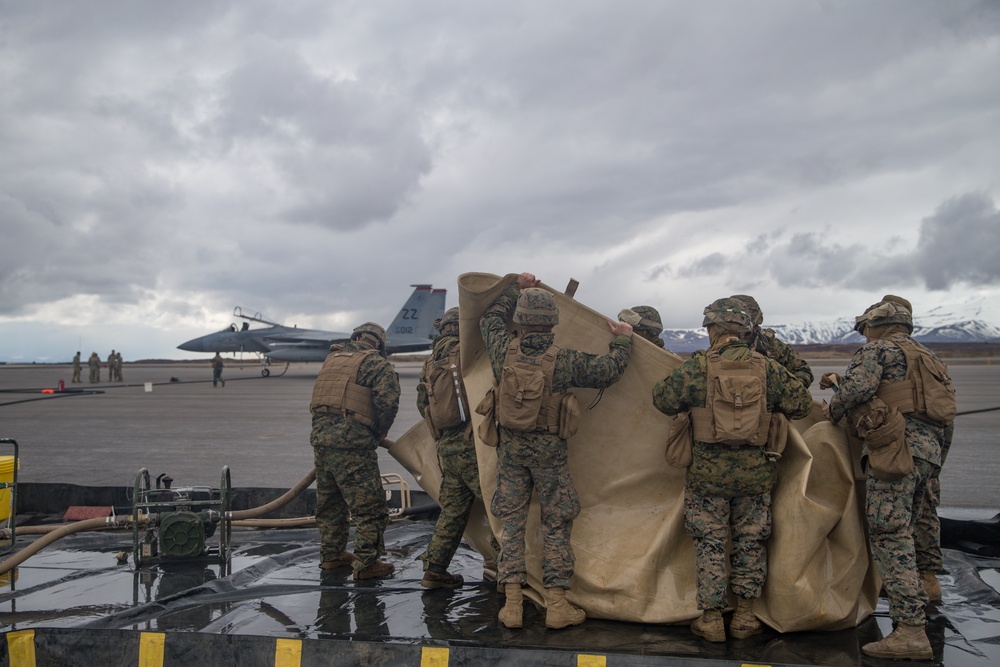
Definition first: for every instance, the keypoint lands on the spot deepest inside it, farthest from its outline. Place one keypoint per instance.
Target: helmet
(752, 307)
(729, 315)
(644, 319)
(449, 319)
(372, 333)
(885, 312)
(536, 307)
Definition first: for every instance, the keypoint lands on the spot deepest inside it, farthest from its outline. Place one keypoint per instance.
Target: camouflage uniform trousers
(893, 509)
(459, 491)
(349, 488)
(559, 504)
(709, 520)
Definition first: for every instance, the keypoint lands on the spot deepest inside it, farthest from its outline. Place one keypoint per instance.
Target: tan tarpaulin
(634, 560)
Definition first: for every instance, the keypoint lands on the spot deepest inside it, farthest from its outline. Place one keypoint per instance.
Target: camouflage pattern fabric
(460, 486)
(348, 482)
(727, 488)
(560, 505)
(650, 332)
(94, 365)
(767, 343)
(76, 368)
(573, 369)
(459, 491)
(875, 362)
(722, 470)
(892, 509)
(908, 532)
(527, 460)
(709, 521)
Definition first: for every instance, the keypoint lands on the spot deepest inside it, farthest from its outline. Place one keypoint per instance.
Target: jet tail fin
(413, 327)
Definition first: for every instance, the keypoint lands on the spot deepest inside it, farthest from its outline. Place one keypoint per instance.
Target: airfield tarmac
(259, 426)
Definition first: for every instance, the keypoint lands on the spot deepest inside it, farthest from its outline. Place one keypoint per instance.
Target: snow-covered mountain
(972, 321)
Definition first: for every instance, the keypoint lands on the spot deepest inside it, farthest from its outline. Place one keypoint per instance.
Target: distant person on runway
(94, 364)
(217, 366)
(76, 367)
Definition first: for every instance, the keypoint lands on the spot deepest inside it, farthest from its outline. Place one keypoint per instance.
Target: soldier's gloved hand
(826, 411)
(526, 280)
(828, 380)
(620, 328)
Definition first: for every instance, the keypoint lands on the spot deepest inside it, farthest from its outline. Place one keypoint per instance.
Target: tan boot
(559, 613)
(710, 626)
(511, 613)
(744, 623)
(907, 642)
(345, 559)
(931, 585)
(376, 570)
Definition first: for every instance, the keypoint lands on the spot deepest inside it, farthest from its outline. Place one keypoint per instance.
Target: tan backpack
(735, 411)
(927, 389)
(525, 401)
(447, 402)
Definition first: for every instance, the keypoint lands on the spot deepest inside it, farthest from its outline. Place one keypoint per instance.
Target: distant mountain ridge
(971, 321)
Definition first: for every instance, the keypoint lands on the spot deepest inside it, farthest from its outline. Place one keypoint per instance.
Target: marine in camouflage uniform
(767, 343)
(348, 482)
(94, 365)
(894, 508)
(538, 460)
(727, 492)
(460, 486)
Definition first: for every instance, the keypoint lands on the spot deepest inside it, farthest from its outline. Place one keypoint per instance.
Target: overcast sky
(163, 162)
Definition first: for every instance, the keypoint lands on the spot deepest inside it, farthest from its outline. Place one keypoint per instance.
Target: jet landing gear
(264, 370)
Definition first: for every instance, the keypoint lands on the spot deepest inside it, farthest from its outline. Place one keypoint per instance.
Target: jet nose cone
(193, 345)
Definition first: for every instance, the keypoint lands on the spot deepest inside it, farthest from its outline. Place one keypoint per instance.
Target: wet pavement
(274, 589)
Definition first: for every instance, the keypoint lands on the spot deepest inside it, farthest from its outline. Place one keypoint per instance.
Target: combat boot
(559, 612)
(345, 559)
(511, 614)
(376, 570)
(907, 642)
(744, 623)
(446, 580)
(931, 585)
(710, 626)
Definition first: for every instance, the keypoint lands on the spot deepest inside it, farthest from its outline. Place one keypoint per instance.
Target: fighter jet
(412, 330)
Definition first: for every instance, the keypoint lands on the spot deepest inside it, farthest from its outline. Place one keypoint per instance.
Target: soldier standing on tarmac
(111, 366)
(767, 343)
(444, 405)
(94, 365)
(903, 391)
(727, 492)
(76, 367)
(532, 451)
(354, 402)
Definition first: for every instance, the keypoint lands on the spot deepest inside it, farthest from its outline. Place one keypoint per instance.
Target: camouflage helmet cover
(752, 307)
(370, 328)
(885, 312)
(536, 307)
(729, 315)
(450, 318)
(644, 319)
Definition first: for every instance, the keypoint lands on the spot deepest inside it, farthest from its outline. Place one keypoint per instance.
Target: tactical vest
(337, 392)
(735, 411)
(927, 392)
(447, 402)
(525, 401)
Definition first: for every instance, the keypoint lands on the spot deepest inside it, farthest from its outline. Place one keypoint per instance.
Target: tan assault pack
(927, 392)
(447, 402)
(735, 411)
(337, 392)
(525, 401)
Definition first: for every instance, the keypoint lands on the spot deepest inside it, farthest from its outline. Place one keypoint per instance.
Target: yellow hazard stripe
(433, 657)
(21, 648)
(591, 660)
(288, 653)
(151, 649)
